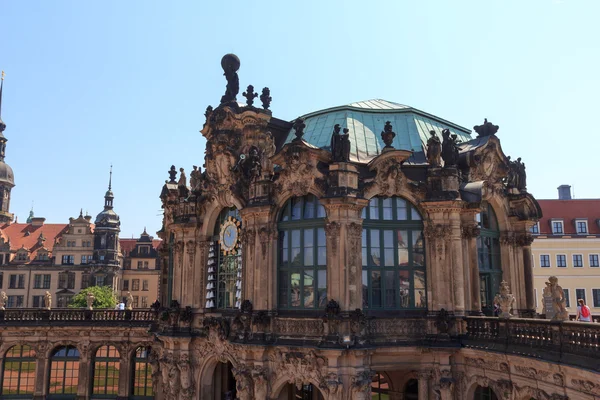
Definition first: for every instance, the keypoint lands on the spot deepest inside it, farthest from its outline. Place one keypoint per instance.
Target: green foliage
(104, 298)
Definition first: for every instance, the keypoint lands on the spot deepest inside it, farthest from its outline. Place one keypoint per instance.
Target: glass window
(581, 227)
(577, 260)
(85, 280)
(488, 255)
(18, 376)
(535, 229)
(64, 372)
(393, 256)
(106, 372)
(545, 261)
(567, 297)
(557, 227)
(145, 285)
(302, 255)
(596, 297)
(142, 374)
(144, 301)
(126, 284)
(380, 387)
(580, 294)
(594, 262)
(561, 260)
(135, 284)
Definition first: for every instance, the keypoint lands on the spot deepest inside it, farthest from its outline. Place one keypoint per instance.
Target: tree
(104, 298)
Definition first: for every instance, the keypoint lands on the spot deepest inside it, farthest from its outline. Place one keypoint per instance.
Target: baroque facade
(316, 259)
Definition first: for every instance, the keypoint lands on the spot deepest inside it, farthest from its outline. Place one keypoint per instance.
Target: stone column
(470, 233)
(424, 377)
(124, 374)
(525, 240)
(85, 371)
(458, 281)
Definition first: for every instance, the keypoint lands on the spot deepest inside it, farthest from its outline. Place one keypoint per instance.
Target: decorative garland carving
(471, 231)
(264, 234)
(300, 368)
(361, 384)
(332, 230)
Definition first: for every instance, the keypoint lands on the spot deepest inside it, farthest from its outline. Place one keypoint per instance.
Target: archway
(306, 392)
(411, 390)
(223, 382)
(484, 393)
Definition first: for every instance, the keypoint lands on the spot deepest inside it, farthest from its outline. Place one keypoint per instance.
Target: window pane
(374, 208)
(388, 244)
(403, 248)
(365, 289)
(309, 289)
(308, 246)
(295, 256)
(364, 248)
(419, 284)
(320, 210)
(390, 289)
(414, 214)
(283, 288)
(283, 248)
(295, 284)
(375, 252)
(322, 276)
(297, 208)
(309, 208)
(322, 249)
(376, 288)
(404, 281)
(387, 209)
(401, 210)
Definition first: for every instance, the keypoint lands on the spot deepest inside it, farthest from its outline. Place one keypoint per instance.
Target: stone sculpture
(449, 149)
(299, 126)
(89, 298)
(47, 300)
(195, 178)
(388, 135)
(172, 174)
(3, 300)
(230, 64)
(434, 150)
(516, 180)
(129, 301)
(505, 300)
(557, 297)
(182, 178)
(487, 129)
(340, 145)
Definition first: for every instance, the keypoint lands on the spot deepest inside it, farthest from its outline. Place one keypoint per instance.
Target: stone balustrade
(573, 343)
(75, 316)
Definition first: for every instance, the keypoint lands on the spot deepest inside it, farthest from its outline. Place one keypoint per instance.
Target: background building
(567, 245)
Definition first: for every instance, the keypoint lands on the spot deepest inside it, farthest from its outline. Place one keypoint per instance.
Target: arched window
(106, 372)
(64, 373)
(142, 375)
(393, 256)
(19, 372)
(484, 393)
(380, 387)
(302, 255)
(224, 280)
(488, 254)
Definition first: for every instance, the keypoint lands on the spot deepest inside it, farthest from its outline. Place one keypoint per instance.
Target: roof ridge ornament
(250, 95)
(388, 135)
(266, 98)
(2, 124)
(486, 129)
(230, 64)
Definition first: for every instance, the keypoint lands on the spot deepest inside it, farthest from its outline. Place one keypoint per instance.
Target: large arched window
(64, 373)
(19, 372)
(488, 255)
(224, 280)
(393, 256)
(142, 375)
(380, 387)
(106, 373)
(302, 255)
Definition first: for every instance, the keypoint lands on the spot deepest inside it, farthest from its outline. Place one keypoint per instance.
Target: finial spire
(2, 124)
(110, 178)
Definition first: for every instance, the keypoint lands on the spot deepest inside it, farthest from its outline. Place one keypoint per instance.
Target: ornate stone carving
(265, 98)
(250, 95)
(264, 237)
(388, 135)
(243, 382)
(407, 328)
(559, 379)
(524, 239)
(185, 373)
(291, 326)
(361, 384)
(389, 179)
(247, 237)
(505, 300)
(332, 230)
(555, 293)
(260, 377)
(340, 145)
(299, 126)
(508, 238)
(299, 172)
(471, 231)
(586, 386)
(300, 368)
(438, 234)
(230, 64)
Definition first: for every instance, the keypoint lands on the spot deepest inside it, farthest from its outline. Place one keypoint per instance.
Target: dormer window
(581, 226)
(535, 230)
(557, 227)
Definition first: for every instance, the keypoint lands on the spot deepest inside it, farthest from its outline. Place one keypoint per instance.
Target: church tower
(7, 178)
(106, 241)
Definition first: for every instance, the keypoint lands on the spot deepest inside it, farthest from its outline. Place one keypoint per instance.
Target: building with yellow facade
(567, 245)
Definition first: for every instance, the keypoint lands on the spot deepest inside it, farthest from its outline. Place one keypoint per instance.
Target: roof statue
(299, 126)
(487, 129)
(340, 145)
(449, 149)
(434, 150)
(388, 135)
(230, 64)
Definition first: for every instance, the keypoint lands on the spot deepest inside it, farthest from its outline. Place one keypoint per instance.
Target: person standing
(583, 312)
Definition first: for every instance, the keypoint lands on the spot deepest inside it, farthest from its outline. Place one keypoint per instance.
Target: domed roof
(365, 121)
(6, 174)
(107, 217)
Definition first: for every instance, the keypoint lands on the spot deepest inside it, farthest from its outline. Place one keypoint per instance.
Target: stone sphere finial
(230, 62)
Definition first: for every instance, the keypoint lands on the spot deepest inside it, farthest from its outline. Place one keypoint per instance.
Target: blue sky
(90, 83)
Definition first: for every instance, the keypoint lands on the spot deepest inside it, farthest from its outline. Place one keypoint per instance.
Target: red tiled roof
(129, 244)
(569, 211)
(17, 233)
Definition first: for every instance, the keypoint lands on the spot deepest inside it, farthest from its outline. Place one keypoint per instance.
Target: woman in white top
(583, 312)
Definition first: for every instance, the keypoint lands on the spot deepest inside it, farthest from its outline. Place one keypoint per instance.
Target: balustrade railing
(75, 316)
(575, 343)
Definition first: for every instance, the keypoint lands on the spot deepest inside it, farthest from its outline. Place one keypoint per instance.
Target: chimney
(37, 221)
(564, 192)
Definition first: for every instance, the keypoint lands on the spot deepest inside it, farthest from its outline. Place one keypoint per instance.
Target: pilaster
(470, 232)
